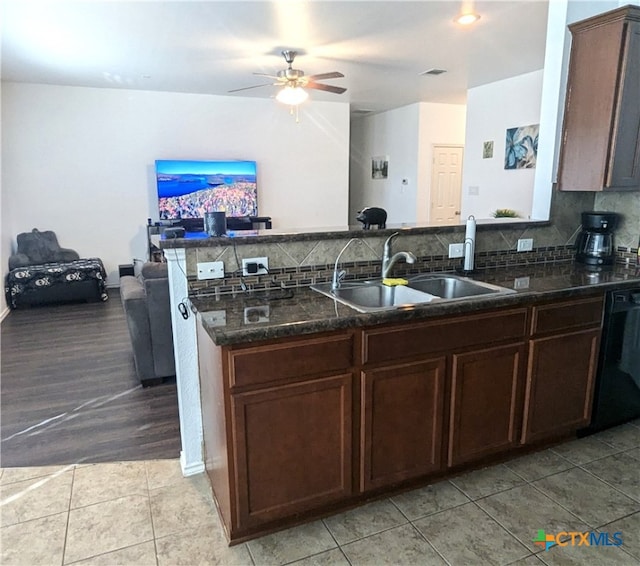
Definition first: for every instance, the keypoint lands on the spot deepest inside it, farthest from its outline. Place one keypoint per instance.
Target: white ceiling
(212, 47)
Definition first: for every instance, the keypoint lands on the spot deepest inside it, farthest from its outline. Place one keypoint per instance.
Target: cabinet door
(486, 402)
(601, 137)
(403, 412)
(292, 448)
(560, 378)
(624, 167)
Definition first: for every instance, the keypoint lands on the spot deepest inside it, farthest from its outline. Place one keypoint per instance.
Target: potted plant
(505, 213)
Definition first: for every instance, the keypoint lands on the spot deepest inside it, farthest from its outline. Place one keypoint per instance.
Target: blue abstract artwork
(521, 147)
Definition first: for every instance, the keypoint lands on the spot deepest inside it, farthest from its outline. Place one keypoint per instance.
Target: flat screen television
(188, 189)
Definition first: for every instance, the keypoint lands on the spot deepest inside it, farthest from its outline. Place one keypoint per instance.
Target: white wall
(491, 109)
(80, 161)
(407, 136)
(393, 134)
(440, 124)
(5, 231)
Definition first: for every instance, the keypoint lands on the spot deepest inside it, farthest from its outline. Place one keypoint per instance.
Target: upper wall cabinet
(601, 130)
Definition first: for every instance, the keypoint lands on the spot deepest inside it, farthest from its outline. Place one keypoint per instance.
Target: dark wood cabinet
(297, 427)
(563, 355)
(560, 382)
(486, 402)
(278, 426)
(292, 448)
(600, 147)
(403, 408)
(481, 356)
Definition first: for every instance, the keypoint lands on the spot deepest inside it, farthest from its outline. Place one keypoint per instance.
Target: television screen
(188, 189)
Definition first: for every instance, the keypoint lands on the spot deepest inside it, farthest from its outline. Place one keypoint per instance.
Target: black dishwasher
(617, 389)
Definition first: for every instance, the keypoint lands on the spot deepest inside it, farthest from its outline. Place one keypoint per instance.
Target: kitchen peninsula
(309, 407)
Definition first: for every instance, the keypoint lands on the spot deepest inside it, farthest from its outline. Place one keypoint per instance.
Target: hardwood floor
(69, 391)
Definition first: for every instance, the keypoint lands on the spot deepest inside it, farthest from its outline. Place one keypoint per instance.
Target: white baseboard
(4, 313)
(191, 468)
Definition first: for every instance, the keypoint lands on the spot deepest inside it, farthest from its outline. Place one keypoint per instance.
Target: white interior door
(446, 184)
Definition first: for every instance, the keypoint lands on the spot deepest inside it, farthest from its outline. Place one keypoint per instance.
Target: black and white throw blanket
(34, 277)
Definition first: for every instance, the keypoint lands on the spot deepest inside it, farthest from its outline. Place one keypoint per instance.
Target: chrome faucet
(469, 245)
(338, 276)
(388, 260)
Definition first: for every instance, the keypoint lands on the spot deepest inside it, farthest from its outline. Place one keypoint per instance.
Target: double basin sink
(372, 295)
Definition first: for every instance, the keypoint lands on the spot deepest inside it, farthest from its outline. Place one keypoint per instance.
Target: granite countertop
(264, 315)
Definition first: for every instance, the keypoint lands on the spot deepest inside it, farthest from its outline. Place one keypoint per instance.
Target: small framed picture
(487, 150)
(379, 167)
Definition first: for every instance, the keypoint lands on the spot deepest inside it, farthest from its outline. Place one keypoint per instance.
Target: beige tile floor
(146, 513)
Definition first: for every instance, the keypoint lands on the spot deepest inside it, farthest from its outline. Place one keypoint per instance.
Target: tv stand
(191, 224)
(248, 222)
(234, 223)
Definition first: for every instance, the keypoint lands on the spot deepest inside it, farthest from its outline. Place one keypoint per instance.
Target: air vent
(433, 72)
(362, 112)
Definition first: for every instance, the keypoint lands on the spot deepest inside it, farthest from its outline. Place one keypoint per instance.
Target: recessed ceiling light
(467, 19)
(433, 71)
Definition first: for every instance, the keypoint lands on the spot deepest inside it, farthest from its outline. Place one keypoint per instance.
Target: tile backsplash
(305, 262)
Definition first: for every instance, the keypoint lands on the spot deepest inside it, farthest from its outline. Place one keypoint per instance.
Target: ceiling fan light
(292, 96)
(467, 19)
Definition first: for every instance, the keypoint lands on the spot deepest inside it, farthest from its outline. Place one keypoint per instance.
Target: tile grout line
(153, 530)
(560, 504)
(610, 485)
(506, 530)
(420, 533)
(66, 527)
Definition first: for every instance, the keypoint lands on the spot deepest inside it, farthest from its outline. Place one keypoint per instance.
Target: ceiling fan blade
(328, 88)
(250, 87)
(322, 76)
(265, 75)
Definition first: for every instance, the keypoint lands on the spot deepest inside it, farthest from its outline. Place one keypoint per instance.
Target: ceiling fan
(293, 81)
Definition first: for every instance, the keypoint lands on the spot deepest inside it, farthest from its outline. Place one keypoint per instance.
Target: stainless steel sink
(372, 295)
(446, 286)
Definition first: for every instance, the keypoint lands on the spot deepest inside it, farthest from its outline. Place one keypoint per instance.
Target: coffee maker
(594, 245)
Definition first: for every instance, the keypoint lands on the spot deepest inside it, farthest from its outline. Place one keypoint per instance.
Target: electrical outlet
(525, 244)
(253, 315)
(210, 270)
(456, 250)
(249, 264)
(521, 283)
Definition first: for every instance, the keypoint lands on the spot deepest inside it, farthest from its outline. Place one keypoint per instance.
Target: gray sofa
(146, 305)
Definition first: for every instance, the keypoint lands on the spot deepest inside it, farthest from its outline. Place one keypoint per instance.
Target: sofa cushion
(43, 247)
(154, 270)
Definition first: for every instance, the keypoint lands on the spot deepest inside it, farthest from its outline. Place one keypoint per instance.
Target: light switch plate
(456, 250)
(525, 244)
(214, 318)
(210, 270)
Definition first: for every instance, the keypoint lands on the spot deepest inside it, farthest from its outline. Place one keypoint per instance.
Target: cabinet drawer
(555, 317)
(380, 345)
(292, 359)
